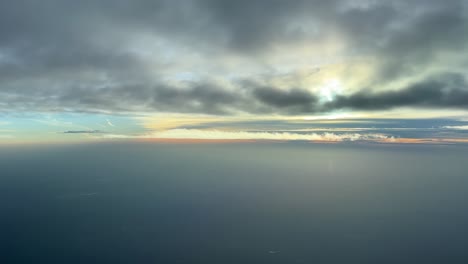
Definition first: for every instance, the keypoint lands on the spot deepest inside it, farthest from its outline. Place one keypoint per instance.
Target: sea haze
(234, 203)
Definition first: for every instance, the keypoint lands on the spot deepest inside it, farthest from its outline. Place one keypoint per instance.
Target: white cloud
(245, 135)
(457, 127)
(109, 123)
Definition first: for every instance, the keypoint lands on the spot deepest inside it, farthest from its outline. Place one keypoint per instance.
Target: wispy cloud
(217, 134)
(245, 135)
(422, 131)
(456, 127)
(109, 123)
(83, 132)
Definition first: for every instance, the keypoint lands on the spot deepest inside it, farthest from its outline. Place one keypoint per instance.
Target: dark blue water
(234, 203)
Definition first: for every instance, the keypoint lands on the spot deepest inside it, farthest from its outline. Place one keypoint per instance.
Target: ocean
(264, 202)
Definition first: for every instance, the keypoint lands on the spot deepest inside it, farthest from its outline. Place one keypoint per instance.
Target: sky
(320, 71)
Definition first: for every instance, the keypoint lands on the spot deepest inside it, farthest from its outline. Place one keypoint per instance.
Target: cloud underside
(440, 92)
(231, 57)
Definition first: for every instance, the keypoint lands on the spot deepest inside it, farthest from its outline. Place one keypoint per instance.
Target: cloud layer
(246, 135)
(230, 57)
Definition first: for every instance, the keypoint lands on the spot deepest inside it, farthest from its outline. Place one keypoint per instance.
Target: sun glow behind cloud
(194, 65)
(331, 88)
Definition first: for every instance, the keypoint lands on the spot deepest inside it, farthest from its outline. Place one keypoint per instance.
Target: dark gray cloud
(254, 26)
(196, 98)
(83, 132)
(443, 91)
(295, 100)
(424, 41)
(116, 56)
(448, 90)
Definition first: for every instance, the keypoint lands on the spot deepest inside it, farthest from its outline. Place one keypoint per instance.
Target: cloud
(443, 91)
(246, 135)
(109, 123)
(457, 127)
(286, 98)
(83, 132)
(413, 130)
(128, 56)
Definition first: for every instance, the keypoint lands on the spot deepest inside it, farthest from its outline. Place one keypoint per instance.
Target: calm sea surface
(233, 203)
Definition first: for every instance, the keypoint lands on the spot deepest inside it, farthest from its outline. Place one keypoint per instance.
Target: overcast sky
(218, 58)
